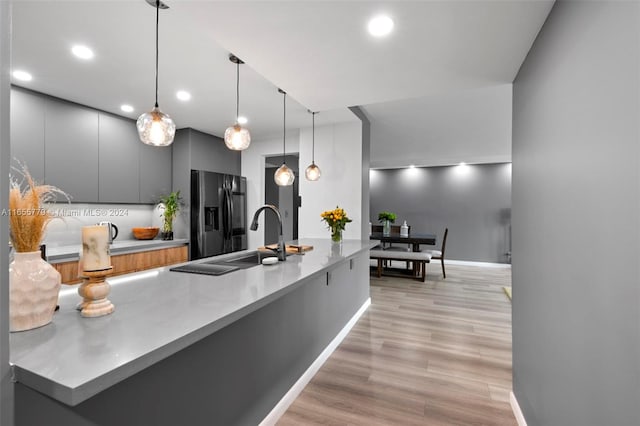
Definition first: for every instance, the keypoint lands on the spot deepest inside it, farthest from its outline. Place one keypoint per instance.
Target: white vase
(33, 291)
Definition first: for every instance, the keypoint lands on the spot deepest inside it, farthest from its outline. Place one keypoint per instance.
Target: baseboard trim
(517, 412)
(288, 398)
(436, 263)
(472, 263)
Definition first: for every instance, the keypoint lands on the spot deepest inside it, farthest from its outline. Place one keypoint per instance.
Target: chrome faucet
(282, 251)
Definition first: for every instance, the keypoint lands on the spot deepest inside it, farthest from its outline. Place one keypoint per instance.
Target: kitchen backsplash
(66, 228)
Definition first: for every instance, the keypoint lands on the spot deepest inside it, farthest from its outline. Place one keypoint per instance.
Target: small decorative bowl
(145, 233)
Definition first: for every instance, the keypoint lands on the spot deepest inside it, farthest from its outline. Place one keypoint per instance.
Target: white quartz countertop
(157, 313)
(68, 253)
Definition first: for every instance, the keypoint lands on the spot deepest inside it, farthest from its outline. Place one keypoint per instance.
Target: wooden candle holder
(94, 291)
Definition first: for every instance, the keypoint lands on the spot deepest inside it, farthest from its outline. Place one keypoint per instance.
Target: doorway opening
(285, 198)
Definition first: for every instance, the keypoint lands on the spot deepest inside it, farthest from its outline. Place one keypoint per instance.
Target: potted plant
(172, 204)
(33, 283)
(386, 218)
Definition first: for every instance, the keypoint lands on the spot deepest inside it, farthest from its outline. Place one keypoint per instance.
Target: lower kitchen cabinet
(128, 263)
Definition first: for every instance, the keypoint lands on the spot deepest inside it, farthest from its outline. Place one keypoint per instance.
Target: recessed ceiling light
(183, 95)
(82, 52)
(412, 166)
(126, 108)
(242, 120)
(22, 75)
(380, 26)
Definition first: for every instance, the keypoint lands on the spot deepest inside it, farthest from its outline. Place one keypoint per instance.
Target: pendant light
(237, 137)
(284, 175)
(313, 172)
(155, 127)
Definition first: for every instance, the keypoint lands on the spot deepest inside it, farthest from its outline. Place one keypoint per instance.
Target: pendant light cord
(313, 138)
(284, 127)
(157, 50)
(237, 90)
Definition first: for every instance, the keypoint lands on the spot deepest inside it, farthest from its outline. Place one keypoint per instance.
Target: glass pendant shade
(156, 128)
(312, 172)
(284, 176)
(237, 137)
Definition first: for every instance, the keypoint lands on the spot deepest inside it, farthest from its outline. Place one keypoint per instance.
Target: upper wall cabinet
(27, 132)
(155, 171)
(92, 155)
(71, 149)
(118, 164)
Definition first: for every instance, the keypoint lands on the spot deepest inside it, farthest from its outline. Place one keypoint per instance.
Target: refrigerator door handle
(230, 213)
(201, 218)
(224, 217)
(226, 232)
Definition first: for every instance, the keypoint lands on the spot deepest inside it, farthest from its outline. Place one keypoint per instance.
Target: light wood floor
(434, 353)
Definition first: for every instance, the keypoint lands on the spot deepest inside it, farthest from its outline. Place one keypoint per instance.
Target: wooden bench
(419, 258)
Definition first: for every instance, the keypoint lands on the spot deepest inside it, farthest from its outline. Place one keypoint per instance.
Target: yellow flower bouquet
(336, 221)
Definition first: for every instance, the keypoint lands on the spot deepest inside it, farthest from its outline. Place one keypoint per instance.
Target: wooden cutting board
(291, 248)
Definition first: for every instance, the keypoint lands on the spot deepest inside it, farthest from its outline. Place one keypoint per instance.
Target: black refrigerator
(218, 213)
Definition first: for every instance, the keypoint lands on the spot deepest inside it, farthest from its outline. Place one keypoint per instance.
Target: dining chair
(439, 254)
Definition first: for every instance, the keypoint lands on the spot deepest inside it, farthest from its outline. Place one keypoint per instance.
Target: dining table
(414, 239)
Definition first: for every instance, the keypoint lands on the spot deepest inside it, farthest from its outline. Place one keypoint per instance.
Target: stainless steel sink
(220, 267)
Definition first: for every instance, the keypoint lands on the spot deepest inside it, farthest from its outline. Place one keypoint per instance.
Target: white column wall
(338, 153)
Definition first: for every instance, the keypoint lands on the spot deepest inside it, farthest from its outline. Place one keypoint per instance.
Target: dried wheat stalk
(28, 217)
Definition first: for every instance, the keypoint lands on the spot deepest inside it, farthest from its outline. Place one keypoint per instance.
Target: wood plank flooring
(434, 353)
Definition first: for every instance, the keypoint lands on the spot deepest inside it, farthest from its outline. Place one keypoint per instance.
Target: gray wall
(6, 388)
(474, 202)
(576, 214)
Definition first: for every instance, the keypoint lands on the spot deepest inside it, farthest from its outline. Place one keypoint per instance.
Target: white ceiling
(317, 51)
(471, 126)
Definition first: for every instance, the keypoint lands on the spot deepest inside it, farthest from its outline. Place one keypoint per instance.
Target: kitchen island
(190, 349)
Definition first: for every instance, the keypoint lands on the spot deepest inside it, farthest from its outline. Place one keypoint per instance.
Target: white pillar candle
(95, 248)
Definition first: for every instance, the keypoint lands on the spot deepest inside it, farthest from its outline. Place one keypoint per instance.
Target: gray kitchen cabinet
(118, 160)
(341, 289)
(209, 153)
(92, 155)
(71, 154)
(155, 171)
(27, 131)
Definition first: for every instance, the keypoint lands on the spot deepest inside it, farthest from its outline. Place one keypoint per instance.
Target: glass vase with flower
(386, 218)
(336, 220)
